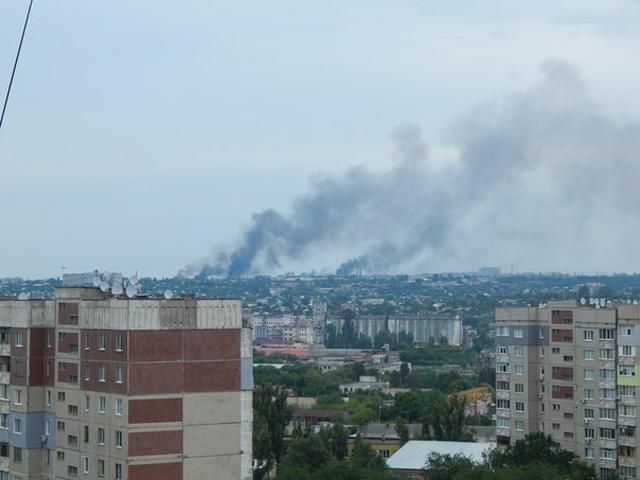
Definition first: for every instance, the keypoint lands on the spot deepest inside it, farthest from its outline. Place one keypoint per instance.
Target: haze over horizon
(514, 136)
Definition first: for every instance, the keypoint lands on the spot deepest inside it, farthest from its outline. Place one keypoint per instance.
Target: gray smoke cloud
(542, 177)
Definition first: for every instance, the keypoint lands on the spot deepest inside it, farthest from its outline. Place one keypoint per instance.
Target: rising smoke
(542, 177)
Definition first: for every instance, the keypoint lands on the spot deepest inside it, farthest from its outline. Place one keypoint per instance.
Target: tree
(271, 415)
(446, 420)
(404, 372)
(309, 452)
(366, 457)
(402, 430)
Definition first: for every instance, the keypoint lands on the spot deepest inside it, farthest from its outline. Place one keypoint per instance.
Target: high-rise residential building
(571, 370)
(98, 387)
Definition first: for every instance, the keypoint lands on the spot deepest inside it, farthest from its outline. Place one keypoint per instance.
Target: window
(17, 396)
(86, 434)
(519, 425)
(608, 393)
(49, 399)
(627, 351)
(4, 420)
(118, 343)
(101, 436)
(567, 415)
(555, 350)
(102, 407)
(73, 410)
(102, 342)
(101, 468)
(118, 471)
(555, 407)
(568, 358)
(626, 451)
(17, 455)
(518, 332)
(607, 374)
(588, 413)
(102, 373)
(501, 385)
(607, 333)
(502, 422)
(588, 355)
(61, 396)
(17, 426)
(502, 349)
(607, 413)
(627, 411)
(60, 426)
(627, 391)
(588, 393)
(608, 433)
(18, 368)
(627, 431)
(626, 331)
(4, 391)
(502, 367)
(72, 440)
(588, 374)
(567, 434)
(518, 351)
(119, 376)
(607, 454)
(626, 371)
(540, 333)
(519, 369)
(519, 387)
(87, 373)
(589, 433)
(606, 354)
(60, 456)
(19, 339)
(87, 341)
(588, 452)
(87, 403)
(120, 406)
(588, 335)
(502, 403)
(118, 439)
(555, 426)
(72, 470)
(627, 471)
(502, 331)
(541, 352)
(520, 407)
(85, 464)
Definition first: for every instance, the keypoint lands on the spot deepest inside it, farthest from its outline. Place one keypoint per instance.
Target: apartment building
(94, 386)
(571, 370)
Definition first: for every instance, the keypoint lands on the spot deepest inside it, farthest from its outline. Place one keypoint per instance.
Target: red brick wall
(157, 471)
(155, 443)
(66, 311)
(155, 410)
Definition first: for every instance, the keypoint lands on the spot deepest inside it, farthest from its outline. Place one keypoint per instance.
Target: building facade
(571, 371)
(98, 387)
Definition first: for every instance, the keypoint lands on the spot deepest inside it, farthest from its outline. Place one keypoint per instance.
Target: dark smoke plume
(542, 178)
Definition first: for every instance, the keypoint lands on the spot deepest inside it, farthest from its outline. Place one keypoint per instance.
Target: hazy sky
(141, 134)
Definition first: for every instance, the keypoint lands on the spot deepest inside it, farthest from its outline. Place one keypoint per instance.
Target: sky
(142, 136)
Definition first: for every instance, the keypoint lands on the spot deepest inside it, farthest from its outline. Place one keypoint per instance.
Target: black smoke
(542, 178)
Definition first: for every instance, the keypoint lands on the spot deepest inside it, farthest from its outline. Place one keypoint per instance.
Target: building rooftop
(414, 454)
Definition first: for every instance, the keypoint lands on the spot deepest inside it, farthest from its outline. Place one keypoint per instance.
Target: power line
(15, 64)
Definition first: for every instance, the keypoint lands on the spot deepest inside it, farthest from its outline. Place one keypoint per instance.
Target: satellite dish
(104, 286)
(24, 296)
(635, 302)
(628, 302)
(609, 303)
(131, 291)
(117, 289)
(96, 280)
(168, 294)
(583, 301)
(134, 279)
(603, 302)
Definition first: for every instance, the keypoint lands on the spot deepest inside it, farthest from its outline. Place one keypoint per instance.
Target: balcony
(627, 421)
(503, 395)
(5, 377)
(503, 377)
(5, 349)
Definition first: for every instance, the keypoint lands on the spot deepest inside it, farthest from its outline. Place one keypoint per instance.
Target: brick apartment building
(98, 387)
(572, 371)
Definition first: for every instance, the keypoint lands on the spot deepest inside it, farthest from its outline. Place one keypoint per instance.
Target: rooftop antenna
(15, 63)
(131, 291)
